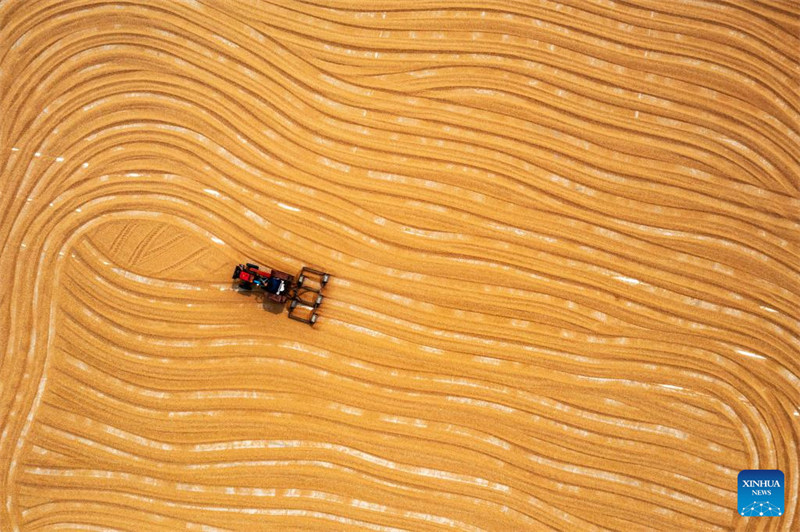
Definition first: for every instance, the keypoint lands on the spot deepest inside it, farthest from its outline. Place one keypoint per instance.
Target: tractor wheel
(245, 286)
(300, 280)
(254, 266)
(325, 278)
(318, 302)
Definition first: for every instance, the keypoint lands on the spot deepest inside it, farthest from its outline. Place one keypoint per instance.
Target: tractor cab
(275, 286)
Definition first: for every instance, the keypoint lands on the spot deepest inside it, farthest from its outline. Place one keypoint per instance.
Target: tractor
(305, 294)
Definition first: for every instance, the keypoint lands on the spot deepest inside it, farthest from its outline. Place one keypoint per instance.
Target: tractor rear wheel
(254, 266)
(245, 286)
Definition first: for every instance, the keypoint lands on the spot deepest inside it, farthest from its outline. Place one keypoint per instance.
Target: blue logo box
(761, 492)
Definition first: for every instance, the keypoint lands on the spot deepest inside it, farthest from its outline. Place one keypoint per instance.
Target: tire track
(564, 239)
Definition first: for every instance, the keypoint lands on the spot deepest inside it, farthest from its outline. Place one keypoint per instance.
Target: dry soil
(564, 240)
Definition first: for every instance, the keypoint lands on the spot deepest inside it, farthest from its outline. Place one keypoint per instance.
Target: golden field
(564, 241)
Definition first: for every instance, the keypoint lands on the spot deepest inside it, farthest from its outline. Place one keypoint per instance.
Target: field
(564, 241)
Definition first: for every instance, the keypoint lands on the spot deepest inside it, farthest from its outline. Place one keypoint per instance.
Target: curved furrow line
(592, 340)
(391, 18)
(108, 517)
(21, 397)
(326, 368)
(349, 452)
(547, 59)
(245, 421)
(140, 485)
(484, 89)
(475, 326)
(564, 37)
(145, 303)
(562, 18)
(636, 115)
(538, 516)
(652, 114)
(238, 516)
(563, 241)
(653, 13)
(163, 363)
(362, 466)
(218, 362)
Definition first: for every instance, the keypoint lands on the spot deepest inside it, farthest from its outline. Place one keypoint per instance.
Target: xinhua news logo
(761, 492)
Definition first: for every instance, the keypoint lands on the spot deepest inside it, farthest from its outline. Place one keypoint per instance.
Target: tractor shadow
(266, 303)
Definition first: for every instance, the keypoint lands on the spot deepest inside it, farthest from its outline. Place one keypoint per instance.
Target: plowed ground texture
(563, 239)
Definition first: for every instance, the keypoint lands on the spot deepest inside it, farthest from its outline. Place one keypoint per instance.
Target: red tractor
(280, 287)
